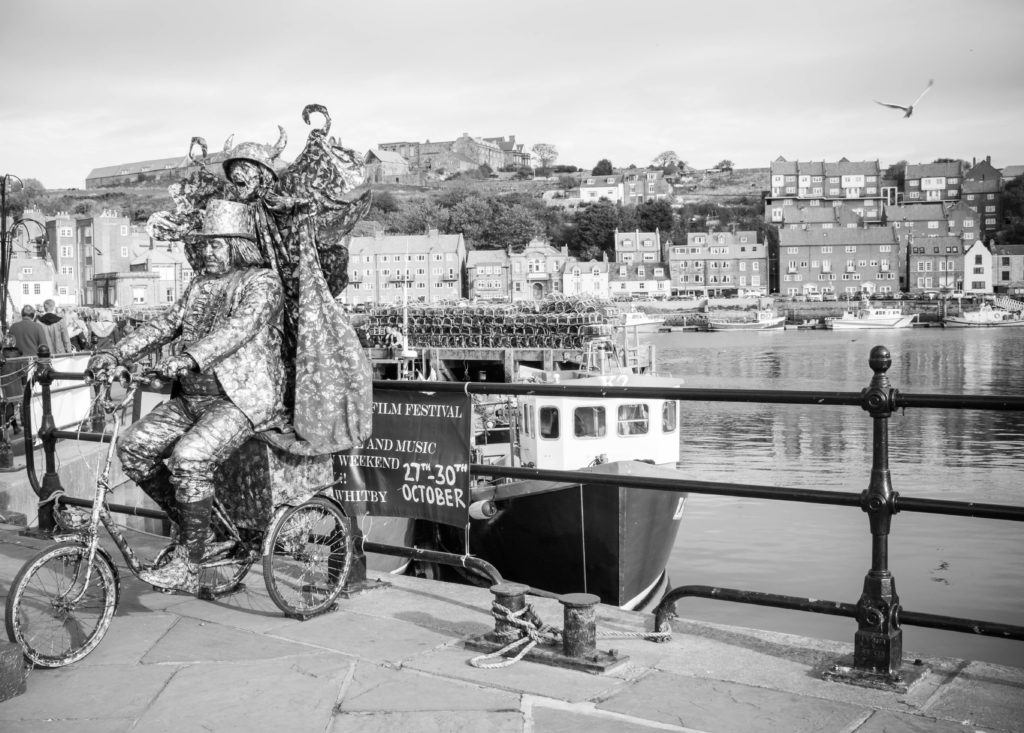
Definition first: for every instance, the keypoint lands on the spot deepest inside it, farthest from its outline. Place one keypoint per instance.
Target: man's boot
(158, 488)
(181, 572)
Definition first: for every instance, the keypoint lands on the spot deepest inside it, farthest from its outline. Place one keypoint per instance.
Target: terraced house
(419, 268)
(849, 261)
(718, 264)
(932, 182)
(934, 263)
(982, 186)
(853, 184)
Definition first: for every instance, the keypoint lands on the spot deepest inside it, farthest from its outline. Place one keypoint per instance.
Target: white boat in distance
(642, 322)
(985, 317)
(765, 319)
(868, 316)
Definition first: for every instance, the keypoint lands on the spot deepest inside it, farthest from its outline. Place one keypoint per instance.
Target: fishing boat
(869, 316)
(558, 537)
(985, 317)
(641, 322)
(764, 319)
(608, 540)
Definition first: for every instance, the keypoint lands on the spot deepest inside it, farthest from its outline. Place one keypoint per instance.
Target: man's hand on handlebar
(177, 366)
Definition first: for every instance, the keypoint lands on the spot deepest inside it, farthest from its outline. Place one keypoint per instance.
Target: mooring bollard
(513, 597)
(579, 633)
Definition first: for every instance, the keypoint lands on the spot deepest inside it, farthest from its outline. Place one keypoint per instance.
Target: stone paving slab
(462, 722)
(374, 639)
(272, 695)
(727, 707)
(983, 695)
(99, 725)
(887, 721)
(786, 663)
(129, 638)
(375, 688)
(529, 678)
(548, 719)
(73, 693)
(190, 640)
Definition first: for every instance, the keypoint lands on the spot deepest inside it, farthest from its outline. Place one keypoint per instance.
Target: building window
(124, 230)
(64, 232)
(124, 251)
(36, 289)
(24, 288)
(67, 270)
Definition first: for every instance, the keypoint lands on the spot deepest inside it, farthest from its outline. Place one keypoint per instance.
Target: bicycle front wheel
(309, 558)
(60, 606)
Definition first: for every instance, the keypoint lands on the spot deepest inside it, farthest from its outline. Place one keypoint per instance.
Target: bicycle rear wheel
(309, 559)
(59, 609)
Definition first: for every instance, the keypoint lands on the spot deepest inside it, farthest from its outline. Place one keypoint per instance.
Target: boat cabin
(567, 433)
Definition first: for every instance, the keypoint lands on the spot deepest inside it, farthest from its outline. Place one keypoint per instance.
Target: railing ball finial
(43, 352)
(880, 360)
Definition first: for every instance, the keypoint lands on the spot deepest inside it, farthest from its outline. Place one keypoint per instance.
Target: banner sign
(416, 463)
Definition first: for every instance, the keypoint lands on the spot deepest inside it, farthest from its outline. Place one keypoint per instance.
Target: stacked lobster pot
(554, 323)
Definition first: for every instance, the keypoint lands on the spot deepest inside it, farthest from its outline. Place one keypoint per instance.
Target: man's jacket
(29, 335)
(231, 326)
(56, 333)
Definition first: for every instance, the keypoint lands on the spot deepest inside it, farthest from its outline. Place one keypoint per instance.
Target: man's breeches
(194, 434)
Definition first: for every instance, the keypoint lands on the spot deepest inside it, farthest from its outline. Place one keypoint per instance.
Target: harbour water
(946, 565)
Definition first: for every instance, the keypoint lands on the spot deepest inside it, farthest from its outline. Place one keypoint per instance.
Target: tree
(724, 165)
(655, 215)
(419, 216)
(512, 227)
(1012, 201)
(896, 172)
(546, 153)
(470, 218)
(663, 160)
(594, 232)
(603, 168)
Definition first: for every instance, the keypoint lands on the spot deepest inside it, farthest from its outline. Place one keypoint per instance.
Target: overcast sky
(89, 84)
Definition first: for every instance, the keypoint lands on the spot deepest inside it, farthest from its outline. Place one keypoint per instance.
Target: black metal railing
(880, 617)
(878, 642)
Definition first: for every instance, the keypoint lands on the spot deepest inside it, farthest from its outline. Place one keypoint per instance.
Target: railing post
(51, 480)
(878, 644)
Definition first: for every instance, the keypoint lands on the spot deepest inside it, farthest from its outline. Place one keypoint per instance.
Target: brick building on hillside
(423, 268)
(465, 153)
(1008, 269)
(847, 261)
(931, 182)
(844, 183)
(982, 187)
(488, 274)
(718, 264)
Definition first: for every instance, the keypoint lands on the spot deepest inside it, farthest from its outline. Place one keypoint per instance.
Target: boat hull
(779, 322)
(956, 323)
(608, 540)
(854, 324)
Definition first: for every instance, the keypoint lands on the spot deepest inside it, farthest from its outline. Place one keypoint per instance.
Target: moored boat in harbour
(764, 319)
(870, 316)
(986, 316)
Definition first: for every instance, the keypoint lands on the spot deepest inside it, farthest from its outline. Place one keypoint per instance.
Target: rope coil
(529, 631)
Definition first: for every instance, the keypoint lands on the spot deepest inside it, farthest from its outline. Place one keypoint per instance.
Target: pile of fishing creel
(555, 323)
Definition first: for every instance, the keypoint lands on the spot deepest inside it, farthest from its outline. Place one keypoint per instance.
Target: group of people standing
(62, 331)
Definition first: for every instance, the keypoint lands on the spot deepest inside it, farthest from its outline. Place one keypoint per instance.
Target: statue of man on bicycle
(229, 373)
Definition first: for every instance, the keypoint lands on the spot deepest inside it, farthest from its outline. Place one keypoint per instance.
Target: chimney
(988, 159)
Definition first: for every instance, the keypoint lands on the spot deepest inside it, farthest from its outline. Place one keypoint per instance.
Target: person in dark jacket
(56, 331)
(28, 334)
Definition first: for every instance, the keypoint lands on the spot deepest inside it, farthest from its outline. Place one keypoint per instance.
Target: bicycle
(63, 599)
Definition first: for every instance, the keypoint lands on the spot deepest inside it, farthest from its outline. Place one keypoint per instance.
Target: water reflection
(946, 565)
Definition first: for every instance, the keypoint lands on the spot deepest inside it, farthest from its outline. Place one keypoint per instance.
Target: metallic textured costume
(230, 326)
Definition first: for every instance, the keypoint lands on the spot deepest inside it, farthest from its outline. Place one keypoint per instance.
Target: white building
(586, 279)
(32, 281)
(594, 188)
(978, 269)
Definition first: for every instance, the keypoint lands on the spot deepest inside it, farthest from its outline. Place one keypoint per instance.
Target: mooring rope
(531, 631)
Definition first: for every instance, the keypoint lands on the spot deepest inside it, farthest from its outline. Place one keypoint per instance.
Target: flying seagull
(909, 110)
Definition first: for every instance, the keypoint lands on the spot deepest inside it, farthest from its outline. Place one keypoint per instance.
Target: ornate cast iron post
(51, 479)
(878, 644)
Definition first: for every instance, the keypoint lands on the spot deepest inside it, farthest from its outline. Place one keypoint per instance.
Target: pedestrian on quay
(56, 331)
(78, 332)
(28, 333)
(104, 329)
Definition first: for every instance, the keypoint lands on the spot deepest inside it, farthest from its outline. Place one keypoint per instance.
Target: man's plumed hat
(228, 219)
(265, 155)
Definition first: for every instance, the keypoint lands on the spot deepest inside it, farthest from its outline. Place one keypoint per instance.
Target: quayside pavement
(394, 660)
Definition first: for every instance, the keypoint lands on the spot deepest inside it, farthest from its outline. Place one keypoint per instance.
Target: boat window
(633, 419)
(549, 422)
(668, 416)
(588, 422)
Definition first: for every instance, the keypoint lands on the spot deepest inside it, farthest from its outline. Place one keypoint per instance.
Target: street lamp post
(6, 247)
